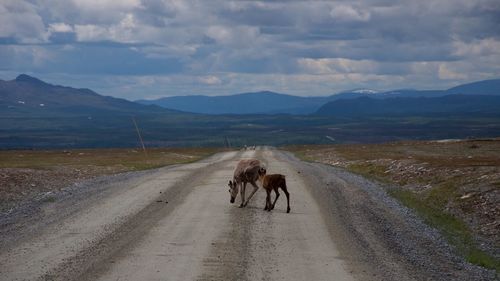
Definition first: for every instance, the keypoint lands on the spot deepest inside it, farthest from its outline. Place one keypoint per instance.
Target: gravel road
(176, 223)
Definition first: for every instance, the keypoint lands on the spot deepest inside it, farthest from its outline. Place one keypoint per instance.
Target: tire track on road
(261, 245)
(176, 244)
(71, 245)
(92, 262)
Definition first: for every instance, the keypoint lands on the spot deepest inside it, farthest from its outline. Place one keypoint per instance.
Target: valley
(80, 118)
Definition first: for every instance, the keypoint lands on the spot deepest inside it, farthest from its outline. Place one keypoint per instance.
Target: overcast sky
(152, 48)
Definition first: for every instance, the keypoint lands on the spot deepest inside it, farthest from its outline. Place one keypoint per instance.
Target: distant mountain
(27, 94)
(449, 105)
(271, 103)
(486, 87)
(35, 114)
(246, 103)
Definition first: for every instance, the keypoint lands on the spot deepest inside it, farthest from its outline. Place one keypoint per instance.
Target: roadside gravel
(378, 231)
(175, 223)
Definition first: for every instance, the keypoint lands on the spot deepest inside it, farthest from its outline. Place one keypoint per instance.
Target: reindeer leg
(242, 193)
(275, 199)
(269, 206)
(268, 200)
(255, 188)
(287, 198)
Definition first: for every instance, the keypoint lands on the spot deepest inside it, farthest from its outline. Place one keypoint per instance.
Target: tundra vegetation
(453, 185)
(25, 174)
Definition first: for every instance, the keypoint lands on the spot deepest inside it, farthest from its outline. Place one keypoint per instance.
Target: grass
(428, 206)
(452, 169)
(117, 159)
(369, 170)
(28, 174)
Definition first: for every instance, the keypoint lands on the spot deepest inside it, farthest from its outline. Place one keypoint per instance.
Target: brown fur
(247, 171)
(273, 182)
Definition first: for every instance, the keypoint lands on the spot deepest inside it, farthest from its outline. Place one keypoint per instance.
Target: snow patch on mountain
(363, 91)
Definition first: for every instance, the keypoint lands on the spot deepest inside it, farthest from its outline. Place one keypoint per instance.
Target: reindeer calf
(273, 182)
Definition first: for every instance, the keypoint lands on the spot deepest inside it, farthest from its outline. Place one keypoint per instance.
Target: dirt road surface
(176, 223)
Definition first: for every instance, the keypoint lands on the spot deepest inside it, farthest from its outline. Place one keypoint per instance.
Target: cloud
(106, 5)
(239, 36)
(339, 65)
(60, 27)
(298, 46)
(478, 47)
(19, 20)
(349, 13)
(91, 32)
(448, 74)
(210, 80)
(24, 57)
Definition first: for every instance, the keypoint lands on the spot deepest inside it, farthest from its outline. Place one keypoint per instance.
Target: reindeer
(247, 171)
(273, 182)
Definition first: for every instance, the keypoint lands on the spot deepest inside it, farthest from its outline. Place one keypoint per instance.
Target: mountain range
(35, 114)
(449, 105)
(264, 102)
(29, 94)
(272, 103)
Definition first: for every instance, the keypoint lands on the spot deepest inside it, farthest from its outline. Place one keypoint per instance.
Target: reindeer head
(262, 172)
(233, 190)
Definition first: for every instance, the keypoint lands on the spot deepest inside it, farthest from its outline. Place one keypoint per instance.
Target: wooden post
(139, 134)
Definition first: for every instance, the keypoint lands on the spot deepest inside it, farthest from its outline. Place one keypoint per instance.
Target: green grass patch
(430, 206)
(139, 166)
(303, 156)
(368, 169)
(301, 152)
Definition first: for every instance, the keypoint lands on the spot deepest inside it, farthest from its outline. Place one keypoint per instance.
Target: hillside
(272, 103)
(246, 103)
(29, 95)
(450, 105)
(486, 87)
(35, 114)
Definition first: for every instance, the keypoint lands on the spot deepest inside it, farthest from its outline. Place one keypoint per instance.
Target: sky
(145, 49)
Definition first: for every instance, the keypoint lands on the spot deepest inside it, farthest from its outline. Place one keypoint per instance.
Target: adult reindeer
(247, 171)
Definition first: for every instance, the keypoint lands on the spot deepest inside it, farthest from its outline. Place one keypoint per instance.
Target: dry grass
(26, 174)
(120, 159)
(453, 185)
